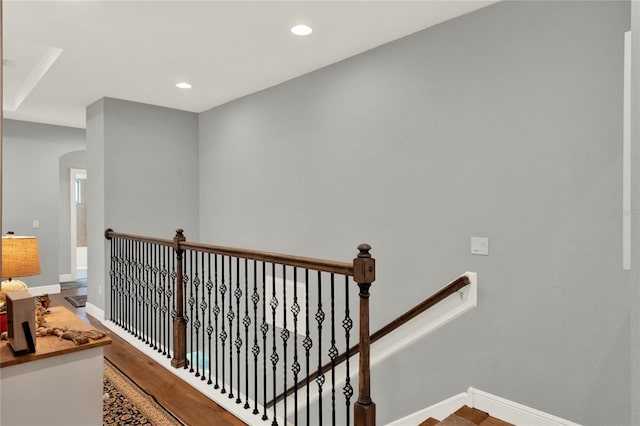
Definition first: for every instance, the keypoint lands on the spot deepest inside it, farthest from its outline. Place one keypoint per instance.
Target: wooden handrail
(323, 265)
(437, 297)
(330, 266)
(109, 234)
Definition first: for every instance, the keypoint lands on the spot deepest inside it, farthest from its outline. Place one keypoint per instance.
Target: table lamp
(20, 258)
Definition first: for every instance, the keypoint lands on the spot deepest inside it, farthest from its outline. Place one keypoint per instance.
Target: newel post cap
(364, 266)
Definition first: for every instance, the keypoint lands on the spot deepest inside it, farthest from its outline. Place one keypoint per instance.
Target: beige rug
(126, 404)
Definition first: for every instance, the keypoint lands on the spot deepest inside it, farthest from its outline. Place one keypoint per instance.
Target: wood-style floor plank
(186, 403)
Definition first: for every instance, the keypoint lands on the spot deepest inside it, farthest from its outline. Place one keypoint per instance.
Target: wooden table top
(49, 346)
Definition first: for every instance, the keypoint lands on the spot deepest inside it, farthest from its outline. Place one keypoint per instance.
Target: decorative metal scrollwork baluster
(238, 342)
(320, 319)
(164, 273)
(284, 334)
(216, 313)
(203, 310)
(255, 350)
(223, 333)
(264, 328)
(209, 326)
(193, 300)
(347, 324)
(246, 322)
(156, 297)
(230, 317)
(274, 353)
(333, 351)
(295, 367)
(307, 343)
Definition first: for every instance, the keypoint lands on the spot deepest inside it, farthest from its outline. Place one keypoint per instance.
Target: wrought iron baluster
(274, 353)
(147, 292)
(238, 342)
(264, 328)
(246, 323)
(255, 298)
(111, 277)
(347, 324)
(163, 300)
(130, 295)
(284, 334)
(307, 343)
(333, 351)
(187, 280)
(138, 279)
(171, 299)
(156, 295)
(320, 319)
(230, 317)
(209, 326)
(223, 333)
(216, 313)
(295, 310)
(195, 324)
(203, 308)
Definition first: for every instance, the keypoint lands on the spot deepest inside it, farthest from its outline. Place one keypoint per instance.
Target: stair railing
(452, 288)
(209, 308)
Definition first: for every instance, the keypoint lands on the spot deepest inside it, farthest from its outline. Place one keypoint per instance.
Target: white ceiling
(60, 56)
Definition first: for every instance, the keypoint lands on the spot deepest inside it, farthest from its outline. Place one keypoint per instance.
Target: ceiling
(60, 56)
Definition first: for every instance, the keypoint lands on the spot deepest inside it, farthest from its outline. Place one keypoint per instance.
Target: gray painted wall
(504, 123)
(72, 160)
(146, 161)
(30, 168)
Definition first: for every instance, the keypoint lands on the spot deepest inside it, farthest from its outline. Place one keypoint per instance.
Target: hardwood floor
(187, 404)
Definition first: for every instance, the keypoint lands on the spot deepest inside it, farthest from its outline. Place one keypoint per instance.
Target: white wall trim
(512, 412)
(45, 289)
(94, 311)
(496, 406)
(66, 278)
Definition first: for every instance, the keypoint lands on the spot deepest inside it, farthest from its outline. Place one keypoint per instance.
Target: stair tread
(454, 420)
(431, 422)
(473, 415)
(492, 421)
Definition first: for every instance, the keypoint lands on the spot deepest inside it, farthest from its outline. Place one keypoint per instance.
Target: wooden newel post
(179, 324)
(364, 273)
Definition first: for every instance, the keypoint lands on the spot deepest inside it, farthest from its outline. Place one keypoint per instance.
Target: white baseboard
(512, 412)
(65, 278)
(45, 289)
(95, 312)
(500, 408)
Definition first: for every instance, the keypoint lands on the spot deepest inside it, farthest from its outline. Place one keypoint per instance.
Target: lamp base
(10, 285)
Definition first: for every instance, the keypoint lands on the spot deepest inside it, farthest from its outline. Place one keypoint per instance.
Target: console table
(59, 384)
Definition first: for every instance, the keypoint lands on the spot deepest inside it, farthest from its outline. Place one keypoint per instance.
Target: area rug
(126, 404)
(77, 301)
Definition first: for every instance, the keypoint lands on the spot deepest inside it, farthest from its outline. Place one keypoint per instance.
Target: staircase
(466, 416)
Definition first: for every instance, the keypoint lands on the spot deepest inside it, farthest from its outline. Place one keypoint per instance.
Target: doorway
(78, 216)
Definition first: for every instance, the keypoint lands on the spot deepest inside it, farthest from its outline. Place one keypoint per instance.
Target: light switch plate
(480, 245)
(36, 224)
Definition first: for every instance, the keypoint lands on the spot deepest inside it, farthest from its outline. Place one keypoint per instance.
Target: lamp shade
(20, 257)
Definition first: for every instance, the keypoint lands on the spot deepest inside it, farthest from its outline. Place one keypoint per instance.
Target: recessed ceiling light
(183, 85)
(301, 30)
